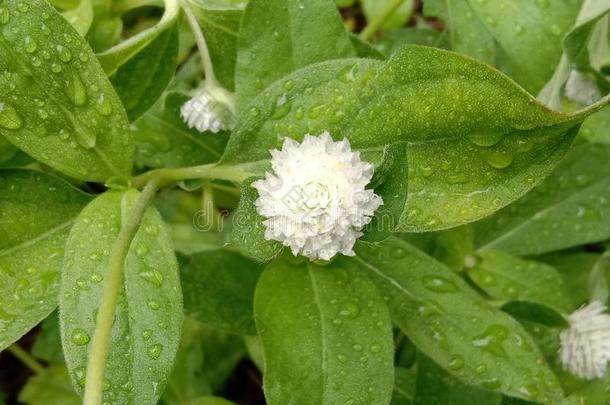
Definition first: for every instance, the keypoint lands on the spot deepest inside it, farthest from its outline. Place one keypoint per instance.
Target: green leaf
(534, 312)
(404, 386)
(115, 57)
(164, 140)
(51, 387)
(148, 321)
(596, 128)
(47, 346)
(467, 157)
(453, 325)
(220, 23)
(219, 288)
(506, 277)
(62, 110)
(435, 386)
(204, 361)
(326, 335)
(36, 213)
(393, 41)
(570, 208)
(143, 78)
(7, 150)
(372, 9)
(464, 32)
(290, 38)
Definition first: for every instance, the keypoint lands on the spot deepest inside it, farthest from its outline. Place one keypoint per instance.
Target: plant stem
(202, 45)
(26, 358)
(373, 26)
(110, 295)
(166, 177)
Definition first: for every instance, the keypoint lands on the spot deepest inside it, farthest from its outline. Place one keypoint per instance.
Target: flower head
(315, 199)
(585, 345)
(212, 108)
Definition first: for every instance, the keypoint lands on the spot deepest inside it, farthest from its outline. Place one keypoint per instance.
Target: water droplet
(342, 358)
(398, 253)
(23, 7)
(83, 57)
(282, 107)
(492, 340)
(316, 111)
(56, 68)
(519, 30)
(142, 250)
(77, 92)
(103, 105)
(289, 85)
(433, 221)
(9, 118)
(30, 45)
(64, 53)
(348, 73)
(80, 337)
(439, 284)
(96, 278)
(485, 138)
(349, 310)
(147, 334)
(556, 30)
(154, 304)
(152, 276)
(375, 348)
(154, 352)
(456, 362)
(299, 113)
(499, 160)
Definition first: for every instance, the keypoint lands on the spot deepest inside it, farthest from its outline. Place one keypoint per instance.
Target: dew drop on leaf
(9, 118)
(30, 44)
(492, 340)
(456, 362)
(154, 352)
(154, 304)
(499, 160)
(79, 337)
(349, 310)
(485, 138)
(439, 284)
(64, 53)
(103, 105)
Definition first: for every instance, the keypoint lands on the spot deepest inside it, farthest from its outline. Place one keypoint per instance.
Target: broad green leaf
(326, 335)
(464, 32)
(436, 386)
(148, 322)
(81, 17)
(164, 140)
(36, 213)
(7, 150)
(56, 103)
(47, 346)
(467, 157)
(534, 312)
(568, 209)
(277, 37)
(50, 387)
(220, 23)
(143, 78)
(404, 385)
(372, 9)
(575, 268)
(219, 288)
(364, 49)
(204, 361)
(453, 247)
(449, 322)
(506, 277)
(112, 59)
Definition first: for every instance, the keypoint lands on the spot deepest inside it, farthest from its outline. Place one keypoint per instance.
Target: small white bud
(315, 199)
(211, 109)
(585, 345)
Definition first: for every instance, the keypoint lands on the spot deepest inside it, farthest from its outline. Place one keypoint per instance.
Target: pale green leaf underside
(326, 335)
(32, 246)
(448, 321)
(146, 331)
(56, 103)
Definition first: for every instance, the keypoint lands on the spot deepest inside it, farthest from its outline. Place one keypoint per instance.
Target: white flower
(585, 345)
(315, 200)
(211, 109)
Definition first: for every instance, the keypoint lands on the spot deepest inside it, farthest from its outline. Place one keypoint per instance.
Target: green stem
(380, 19)
(26, 358)
(202, 45)
(166, 177)
(110, 295)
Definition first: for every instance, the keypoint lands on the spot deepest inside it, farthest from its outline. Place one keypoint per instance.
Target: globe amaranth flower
(585, 345)
(315, 199)
(212, 108)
